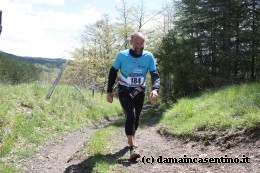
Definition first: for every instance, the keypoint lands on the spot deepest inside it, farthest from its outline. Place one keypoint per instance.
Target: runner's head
(137, 42)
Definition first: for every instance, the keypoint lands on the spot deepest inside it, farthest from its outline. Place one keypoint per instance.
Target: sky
(49, 28)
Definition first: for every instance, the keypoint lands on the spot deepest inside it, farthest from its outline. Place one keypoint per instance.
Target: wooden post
(93, 87)
(0, 21)
(57, 80)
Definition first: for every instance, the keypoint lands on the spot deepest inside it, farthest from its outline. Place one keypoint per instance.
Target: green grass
(102, 150)
(100, 140)
(225, 108)
(27, 119)
(102, 146)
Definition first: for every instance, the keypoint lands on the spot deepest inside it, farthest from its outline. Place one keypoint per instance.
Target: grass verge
(27, 119)
(222, 109)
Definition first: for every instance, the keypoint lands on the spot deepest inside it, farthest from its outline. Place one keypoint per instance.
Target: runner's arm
(111, 79)
(155, 80)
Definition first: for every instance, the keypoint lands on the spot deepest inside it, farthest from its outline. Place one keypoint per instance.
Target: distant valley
(49, 62)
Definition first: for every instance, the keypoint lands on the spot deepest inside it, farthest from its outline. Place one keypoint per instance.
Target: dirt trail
(53, 156)
(60, 151)
(59, 157)
(151, 144)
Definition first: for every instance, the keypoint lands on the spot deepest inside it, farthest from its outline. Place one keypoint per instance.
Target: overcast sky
(48, 28)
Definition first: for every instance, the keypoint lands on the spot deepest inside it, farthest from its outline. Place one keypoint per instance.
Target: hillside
(49, 62)
(27, 119)
(104, 147)
(216, 115)
(214, 124)
(17, 69)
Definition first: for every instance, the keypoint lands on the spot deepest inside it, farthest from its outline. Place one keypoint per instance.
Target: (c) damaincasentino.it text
(185, 159)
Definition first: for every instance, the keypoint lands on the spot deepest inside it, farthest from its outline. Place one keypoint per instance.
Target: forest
(15, 71)
(18, 69)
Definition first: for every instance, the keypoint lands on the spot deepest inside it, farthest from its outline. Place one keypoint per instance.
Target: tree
(15, 71)
(100, 38)
(215, 43)
(125, 23)
(92, 60)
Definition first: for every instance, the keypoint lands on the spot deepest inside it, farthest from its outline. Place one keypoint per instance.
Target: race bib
(139, 80)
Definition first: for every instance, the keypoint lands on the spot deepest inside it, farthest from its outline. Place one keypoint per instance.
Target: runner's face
(137, 45)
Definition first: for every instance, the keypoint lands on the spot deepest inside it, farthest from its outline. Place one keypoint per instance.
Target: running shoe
(134, 154)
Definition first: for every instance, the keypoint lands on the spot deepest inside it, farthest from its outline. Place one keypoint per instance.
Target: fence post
(57, 80)
(93, 87)
(0, 21)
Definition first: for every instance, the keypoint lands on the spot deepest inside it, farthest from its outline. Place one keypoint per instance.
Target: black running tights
(132, 109)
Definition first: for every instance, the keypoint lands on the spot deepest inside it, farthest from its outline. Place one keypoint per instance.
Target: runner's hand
(153, 96)
(110, 97)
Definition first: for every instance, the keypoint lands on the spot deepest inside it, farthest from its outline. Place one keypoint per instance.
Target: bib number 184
(136, 80)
